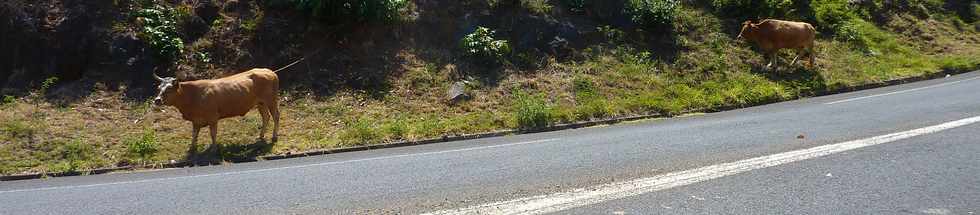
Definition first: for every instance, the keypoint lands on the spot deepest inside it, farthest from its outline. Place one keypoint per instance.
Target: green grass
(143, 147)
(531, 111)
(703, 67)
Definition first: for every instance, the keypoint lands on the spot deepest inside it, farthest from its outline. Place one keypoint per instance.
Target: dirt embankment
(88, 43)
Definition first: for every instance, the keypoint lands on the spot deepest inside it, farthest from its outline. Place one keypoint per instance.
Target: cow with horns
(204, 102)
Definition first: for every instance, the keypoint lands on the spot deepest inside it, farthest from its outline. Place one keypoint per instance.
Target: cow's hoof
(275, 139)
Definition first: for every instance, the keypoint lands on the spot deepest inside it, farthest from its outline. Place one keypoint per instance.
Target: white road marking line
(902, 91)
(280, 168)
(556, 202)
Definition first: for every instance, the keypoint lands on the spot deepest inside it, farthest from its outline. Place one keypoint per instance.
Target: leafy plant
(158, 28)
(537, 6)
(8, 99)
(531, 111)
(38, 95)
(831, 14)
(74, 153)
(576, 5)
(144, 146)
(337, 11)
(17, 128)
(753, 8)
(652, 14)
(482, 46)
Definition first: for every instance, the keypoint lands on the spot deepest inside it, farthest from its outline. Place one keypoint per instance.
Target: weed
(360, 132)
(158, 27)
(396, 129)
(8, 99)
(753, 8)
(483, 47)
(653, 15)
(38, 94)
(832, 14)
(540, 7)
(17, 129)
(74, 153)
(144, 146)
(336, 11)
(577, 6)
(531, 111)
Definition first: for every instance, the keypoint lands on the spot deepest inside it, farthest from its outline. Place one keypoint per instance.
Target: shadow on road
(230, 152)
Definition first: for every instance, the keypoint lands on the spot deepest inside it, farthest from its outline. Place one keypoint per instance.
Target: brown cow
(204, 102)
(773, 35)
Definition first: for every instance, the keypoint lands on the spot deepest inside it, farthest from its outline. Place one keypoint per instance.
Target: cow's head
(748, 30)
(166, 90)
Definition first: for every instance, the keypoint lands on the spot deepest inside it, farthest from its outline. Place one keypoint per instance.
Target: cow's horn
(157, 77)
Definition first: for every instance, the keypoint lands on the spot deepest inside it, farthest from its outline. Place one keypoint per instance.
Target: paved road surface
(912, 148)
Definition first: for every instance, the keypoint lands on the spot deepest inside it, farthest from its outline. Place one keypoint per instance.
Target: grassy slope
(611, 79)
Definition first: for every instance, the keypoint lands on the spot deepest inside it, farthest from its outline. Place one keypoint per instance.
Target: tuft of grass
(144, 146)
(531, 111)
(396, 129)
(591, 104)
(360, 132)
(17, 129)
(75, 154)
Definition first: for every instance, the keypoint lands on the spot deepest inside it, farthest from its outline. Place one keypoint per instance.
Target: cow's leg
(799, 53)
(193, 150)
(214, 132)
(812, 52)
(265, 120)
(196, 131)
(274, 110)
(772, 59)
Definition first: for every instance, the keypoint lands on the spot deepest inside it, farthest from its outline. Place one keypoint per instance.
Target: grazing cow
(772, 35)
(204, 102)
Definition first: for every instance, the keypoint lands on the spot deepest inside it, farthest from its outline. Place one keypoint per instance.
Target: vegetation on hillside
(387, 66)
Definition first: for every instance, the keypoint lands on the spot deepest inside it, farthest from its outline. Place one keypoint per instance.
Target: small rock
(457, 92)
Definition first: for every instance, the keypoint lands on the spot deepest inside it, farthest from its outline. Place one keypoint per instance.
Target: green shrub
(8, 99)
(74, 154)
(338, 11)
(144, 146)
(531, 111)
(652, 14)
(537, 6)
(850, 32)
(831, 14)
(17, 128)
(753, 8)
(158, 28)
(576, 5)
(483, 47)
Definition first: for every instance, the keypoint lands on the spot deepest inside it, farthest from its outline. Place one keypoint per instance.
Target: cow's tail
(290, 65)
(300, 60)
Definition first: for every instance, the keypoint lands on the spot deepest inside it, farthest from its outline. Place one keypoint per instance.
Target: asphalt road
(925, 173)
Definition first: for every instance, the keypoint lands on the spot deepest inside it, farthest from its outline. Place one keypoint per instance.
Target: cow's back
(237, 94)
(786, 34)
